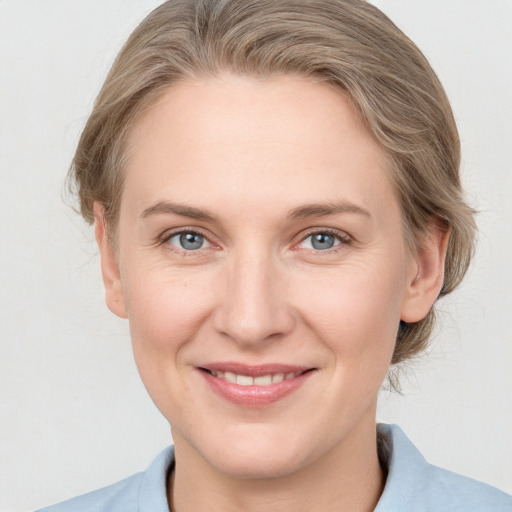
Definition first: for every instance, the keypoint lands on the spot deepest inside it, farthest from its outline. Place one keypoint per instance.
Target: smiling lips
(254, 386)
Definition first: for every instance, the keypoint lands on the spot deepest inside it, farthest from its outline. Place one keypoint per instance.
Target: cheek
(166, 309)
(355, 310)
(166, 312)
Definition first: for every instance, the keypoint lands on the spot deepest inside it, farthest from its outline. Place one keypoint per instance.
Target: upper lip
(254, 370)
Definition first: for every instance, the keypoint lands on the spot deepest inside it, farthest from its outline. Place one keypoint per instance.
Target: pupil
(191, 241)
(322, 241)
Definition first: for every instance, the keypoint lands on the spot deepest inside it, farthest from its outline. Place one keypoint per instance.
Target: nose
(254, 309)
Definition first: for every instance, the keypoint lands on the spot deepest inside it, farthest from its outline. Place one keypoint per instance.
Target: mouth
(254, 386)
(248, 380)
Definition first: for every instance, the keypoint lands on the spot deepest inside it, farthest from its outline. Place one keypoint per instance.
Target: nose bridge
(254, 309)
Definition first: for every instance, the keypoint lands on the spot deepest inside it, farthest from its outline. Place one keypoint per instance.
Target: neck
(349, 477)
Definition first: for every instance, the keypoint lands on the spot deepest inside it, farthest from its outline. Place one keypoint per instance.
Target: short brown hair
(346, 43)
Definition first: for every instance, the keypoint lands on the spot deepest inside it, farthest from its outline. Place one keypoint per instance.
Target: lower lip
(254, 396)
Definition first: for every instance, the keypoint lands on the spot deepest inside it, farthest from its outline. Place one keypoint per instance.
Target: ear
(426, 277)
(114, 296)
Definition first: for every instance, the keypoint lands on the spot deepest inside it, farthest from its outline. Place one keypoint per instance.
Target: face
(262, 265)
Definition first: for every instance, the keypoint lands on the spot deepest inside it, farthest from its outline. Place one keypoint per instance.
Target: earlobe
(114, 296)
(427, 274)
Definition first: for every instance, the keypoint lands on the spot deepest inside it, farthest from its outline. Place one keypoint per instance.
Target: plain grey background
(73, 414)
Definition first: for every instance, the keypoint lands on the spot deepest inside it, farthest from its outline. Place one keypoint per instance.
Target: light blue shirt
(412, 485)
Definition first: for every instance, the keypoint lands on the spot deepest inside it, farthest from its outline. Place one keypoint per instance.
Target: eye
(321, 241)
(188, 241)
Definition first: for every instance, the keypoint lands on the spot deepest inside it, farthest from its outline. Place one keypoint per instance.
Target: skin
(250, 153)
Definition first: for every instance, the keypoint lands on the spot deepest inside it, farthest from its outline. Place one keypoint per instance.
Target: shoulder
(463, 493)
(119, 496)
(141, 492)
(414, 485)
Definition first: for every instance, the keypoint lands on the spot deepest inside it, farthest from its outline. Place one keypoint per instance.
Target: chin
(254, 452)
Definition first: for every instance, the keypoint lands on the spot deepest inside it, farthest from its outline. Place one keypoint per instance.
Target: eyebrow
(324, 209)
(164, 207)
(301, 212)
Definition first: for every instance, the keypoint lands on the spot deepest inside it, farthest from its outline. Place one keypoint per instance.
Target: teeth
(246, 380)
(230, 377)
(264, 380)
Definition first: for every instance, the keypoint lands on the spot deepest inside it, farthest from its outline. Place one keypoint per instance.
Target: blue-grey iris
(322, 241)
(191, 241)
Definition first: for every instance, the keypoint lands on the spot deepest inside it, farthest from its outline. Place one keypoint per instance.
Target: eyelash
(166, 237)
(342, 238)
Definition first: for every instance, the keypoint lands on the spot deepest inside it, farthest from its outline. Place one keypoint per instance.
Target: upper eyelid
(341, 235)
(169, 233)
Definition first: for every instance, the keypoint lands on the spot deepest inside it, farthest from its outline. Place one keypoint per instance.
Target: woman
(275, 193)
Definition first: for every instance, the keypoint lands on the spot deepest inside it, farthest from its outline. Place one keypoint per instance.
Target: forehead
(253, 141)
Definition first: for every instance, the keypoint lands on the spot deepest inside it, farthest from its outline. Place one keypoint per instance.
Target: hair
(348, 44)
